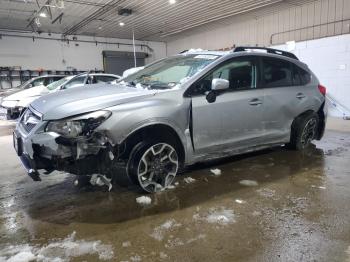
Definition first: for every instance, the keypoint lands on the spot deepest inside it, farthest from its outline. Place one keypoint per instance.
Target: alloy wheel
(157, 167)
(309, 132)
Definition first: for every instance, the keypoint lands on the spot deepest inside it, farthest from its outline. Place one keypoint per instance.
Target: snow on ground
(189, 180)
(219, 216)
(248, 183)
(135, 258)
(216, 171)
(162, 255)
(144, 200)
(58, 251)
(266, 192)
(200, 236)
(126, 244)
(160, 231)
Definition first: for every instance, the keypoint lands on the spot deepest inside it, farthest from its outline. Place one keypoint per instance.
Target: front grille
(29, 120)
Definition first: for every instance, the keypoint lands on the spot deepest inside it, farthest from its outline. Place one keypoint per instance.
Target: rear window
(277, 73)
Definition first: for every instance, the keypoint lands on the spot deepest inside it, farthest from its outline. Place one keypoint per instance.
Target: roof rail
(268, 50)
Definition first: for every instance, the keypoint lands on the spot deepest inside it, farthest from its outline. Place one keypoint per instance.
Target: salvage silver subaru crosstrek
(184, 109)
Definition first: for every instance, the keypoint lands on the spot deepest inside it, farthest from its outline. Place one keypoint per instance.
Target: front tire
(304, 130)
(153, 165)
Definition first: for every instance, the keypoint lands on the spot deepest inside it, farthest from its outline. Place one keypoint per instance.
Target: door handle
(255, 102)
(300, 96)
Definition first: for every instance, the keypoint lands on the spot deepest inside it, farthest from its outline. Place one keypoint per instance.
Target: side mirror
(220, 84)
(217, 85)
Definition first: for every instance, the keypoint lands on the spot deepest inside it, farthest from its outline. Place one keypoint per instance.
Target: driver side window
(241, 73)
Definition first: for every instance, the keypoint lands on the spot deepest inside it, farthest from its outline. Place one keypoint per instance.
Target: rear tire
(153, 165)
(304, 130)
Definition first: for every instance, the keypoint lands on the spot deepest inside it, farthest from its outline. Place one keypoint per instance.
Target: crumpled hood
(86, 99)
(34, 91)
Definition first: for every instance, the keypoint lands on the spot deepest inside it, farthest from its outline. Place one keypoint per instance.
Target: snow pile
(60, 251)
(319, 187)
(220, 216)
(248, 183)
(189, 180)
(126, 244)
(159, 232)
(144, 200)
(216, 171)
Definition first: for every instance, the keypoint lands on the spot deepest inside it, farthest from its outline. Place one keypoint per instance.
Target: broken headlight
(79, 125)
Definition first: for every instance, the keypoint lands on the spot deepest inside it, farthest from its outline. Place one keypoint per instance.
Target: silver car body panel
(231, 125)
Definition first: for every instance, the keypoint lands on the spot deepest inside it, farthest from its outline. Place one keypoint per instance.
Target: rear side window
(305, 76)
(49, 80)
(277, 73)
(296, 76)
(104, 79)
(56, 78)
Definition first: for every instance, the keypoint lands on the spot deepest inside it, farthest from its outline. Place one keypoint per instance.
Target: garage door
(116, 62)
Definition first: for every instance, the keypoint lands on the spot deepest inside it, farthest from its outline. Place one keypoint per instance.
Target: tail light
(322, 89)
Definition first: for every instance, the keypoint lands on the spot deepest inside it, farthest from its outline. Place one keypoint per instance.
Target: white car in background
(35, 81)
(13, 105)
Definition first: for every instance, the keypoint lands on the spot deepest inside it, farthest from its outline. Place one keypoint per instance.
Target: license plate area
(18, 144)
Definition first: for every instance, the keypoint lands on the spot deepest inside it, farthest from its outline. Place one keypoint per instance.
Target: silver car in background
(184, 109)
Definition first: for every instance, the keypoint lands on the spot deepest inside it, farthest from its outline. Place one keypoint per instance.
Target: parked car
(36, 81)
(189, 108)
(13, 105)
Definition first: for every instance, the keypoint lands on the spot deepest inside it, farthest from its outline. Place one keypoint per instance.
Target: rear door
(285, 95)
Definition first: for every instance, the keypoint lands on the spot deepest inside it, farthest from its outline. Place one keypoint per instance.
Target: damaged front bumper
(44, 151)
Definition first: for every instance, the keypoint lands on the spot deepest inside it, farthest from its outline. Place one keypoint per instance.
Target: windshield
(58, 83)
(170, 72)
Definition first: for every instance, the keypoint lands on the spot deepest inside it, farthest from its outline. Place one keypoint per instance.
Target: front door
(234, 120)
